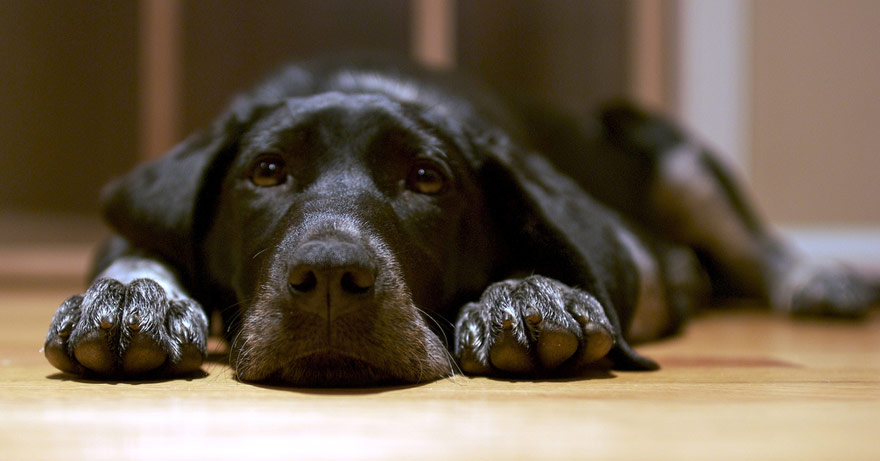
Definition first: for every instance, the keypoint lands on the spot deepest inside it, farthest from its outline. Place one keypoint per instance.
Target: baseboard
(858, 247)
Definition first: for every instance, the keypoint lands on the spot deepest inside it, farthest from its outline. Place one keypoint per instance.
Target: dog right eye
(268, 170)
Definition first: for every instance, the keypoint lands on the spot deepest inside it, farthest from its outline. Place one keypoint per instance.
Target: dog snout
(329, 277)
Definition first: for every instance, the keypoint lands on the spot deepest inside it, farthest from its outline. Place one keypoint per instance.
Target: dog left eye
(268, 170)
(427, 178)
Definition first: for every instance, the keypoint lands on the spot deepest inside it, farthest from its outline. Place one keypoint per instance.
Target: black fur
(360, 224)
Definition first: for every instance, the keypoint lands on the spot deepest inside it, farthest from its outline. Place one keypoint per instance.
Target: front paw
(529, 326)
(127, 331)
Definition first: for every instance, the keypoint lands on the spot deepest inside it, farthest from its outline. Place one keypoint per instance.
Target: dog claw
(134, 323)
(533, 316)
(65, 330)
(107, 322)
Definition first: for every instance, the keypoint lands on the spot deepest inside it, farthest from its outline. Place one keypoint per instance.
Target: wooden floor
(739, 384)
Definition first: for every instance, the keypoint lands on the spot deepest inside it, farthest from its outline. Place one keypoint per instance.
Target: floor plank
(739, 384)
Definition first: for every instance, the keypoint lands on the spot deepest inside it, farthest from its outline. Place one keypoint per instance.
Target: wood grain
(739, 384)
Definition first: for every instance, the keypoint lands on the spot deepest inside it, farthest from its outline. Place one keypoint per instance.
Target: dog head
(344, 215)
(347, 223)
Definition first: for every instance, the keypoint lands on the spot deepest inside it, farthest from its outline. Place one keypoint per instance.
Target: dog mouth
(365, 352)
(329, 369)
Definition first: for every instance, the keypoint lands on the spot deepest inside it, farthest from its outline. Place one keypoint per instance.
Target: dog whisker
(260, 252)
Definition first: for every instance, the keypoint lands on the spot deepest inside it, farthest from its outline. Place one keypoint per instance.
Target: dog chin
(327, 369)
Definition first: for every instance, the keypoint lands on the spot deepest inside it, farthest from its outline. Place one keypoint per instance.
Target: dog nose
(330, 277)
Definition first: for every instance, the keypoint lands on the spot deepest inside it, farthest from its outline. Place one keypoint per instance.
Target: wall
(570, 53)
(229, 45)
(67, 101)
(72, 115)
(816, 111)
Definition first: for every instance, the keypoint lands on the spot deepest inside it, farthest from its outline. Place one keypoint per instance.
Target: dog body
(347, 220)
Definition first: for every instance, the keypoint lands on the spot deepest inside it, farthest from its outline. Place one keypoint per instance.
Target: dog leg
(134, 321)
(694, 199)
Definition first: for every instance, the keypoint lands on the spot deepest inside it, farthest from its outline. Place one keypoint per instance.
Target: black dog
(335, 215)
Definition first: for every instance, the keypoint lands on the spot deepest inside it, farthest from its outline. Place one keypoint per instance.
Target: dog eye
(427, 178)
(268, 170)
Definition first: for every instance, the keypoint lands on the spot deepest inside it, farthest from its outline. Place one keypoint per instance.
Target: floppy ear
(156, 205)
(557, 229)
(166, 205)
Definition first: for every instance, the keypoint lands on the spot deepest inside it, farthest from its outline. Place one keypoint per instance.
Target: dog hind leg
(693, 198)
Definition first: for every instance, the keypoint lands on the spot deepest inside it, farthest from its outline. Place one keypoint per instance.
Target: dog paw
(123, 331)
(826, 290)
(531, 326)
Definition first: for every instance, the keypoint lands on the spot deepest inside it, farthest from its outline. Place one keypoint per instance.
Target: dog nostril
(302, 281)
(357, 281)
